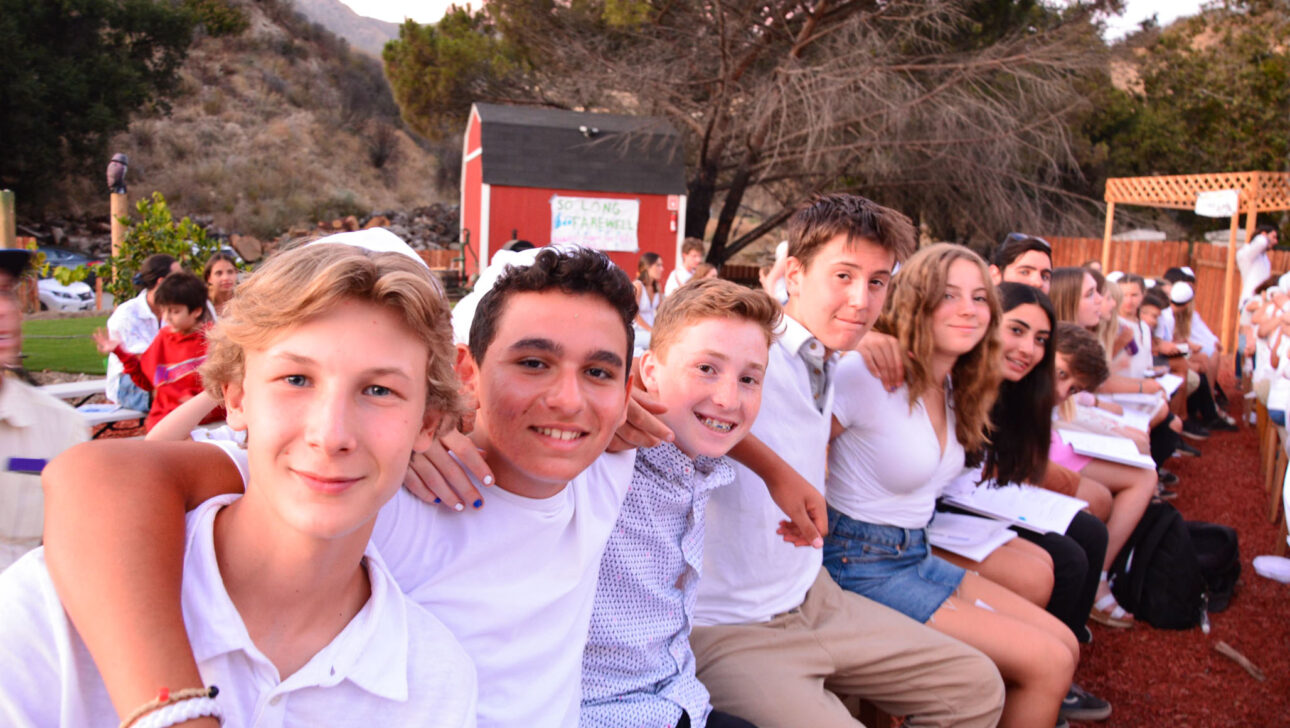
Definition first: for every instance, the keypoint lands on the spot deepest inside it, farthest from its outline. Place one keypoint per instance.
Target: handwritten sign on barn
(595, 222)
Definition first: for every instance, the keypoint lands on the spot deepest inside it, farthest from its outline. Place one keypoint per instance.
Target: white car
(57, 297)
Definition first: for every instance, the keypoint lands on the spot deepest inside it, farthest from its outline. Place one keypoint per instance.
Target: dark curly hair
(574, 271)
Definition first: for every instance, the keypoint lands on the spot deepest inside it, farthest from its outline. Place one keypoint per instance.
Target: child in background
(691, 258)
(168, 367)
(341, 361)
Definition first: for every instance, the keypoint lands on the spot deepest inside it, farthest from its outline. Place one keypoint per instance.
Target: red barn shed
(611, 182)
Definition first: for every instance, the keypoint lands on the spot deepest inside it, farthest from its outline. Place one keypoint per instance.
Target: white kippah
(1181, 293)
(1190, 273)
(377, 240)
(1151, 282)
(1114, 276)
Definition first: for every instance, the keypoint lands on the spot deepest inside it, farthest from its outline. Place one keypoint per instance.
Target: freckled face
(552, 389)
(710, 380)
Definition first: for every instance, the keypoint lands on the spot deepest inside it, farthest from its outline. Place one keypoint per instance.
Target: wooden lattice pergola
(1257, 192)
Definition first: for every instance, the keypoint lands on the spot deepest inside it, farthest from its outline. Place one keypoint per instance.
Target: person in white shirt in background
(291, 611)
(34, 427)
(135, 323)
(1253, 261)
(691, 257)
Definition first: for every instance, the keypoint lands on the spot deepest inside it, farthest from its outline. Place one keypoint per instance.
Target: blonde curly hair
(916, 291)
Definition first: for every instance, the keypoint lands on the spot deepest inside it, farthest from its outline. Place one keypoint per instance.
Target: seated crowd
(613, 502)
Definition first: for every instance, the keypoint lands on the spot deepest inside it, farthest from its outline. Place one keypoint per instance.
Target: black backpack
(1157, 575)
(1219, 555)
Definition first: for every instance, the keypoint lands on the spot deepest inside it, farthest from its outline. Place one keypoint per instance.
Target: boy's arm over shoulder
(114, 545)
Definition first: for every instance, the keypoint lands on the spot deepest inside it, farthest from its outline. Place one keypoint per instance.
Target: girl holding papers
(894, 451)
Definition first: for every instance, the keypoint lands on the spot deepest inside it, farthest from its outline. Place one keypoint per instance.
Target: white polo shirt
(393, 664)
(749, 573)
(513, 581)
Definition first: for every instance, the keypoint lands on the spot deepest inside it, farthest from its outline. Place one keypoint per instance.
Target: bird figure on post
(116, 173)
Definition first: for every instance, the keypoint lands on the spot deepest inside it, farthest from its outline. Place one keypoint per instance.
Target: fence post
(8, 224)
(1106, 236)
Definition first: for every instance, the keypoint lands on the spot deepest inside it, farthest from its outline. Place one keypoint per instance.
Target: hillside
(366, 34)
(280, 125)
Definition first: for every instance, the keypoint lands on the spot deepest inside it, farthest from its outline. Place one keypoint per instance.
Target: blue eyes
(296, 380)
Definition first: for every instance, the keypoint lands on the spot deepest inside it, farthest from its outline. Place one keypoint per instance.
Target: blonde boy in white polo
(291, 612)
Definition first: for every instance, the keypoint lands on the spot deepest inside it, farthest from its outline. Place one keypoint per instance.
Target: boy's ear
(234, 397)
(996, 275)
(649, 371)
(793, 272)
(468, 372)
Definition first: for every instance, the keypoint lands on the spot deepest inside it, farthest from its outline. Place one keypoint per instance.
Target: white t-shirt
(514, 582)
(886, 467)
(679, 277)
(393, 664)
(1254, 264)
(749, 573)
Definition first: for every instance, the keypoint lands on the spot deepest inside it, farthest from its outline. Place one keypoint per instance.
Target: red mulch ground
(1168, 678)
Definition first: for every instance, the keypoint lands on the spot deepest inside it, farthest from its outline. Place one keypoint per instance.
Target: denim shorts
(890, 565)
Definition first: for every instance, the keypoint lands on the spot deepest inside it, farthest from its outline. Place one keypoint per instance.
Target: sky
(429, 11)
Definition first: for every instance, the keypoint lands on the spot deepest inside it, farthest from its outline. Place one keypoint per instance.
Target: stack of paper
(1032, 508)
(972, 537)
(1171, 383)
(1107, 447)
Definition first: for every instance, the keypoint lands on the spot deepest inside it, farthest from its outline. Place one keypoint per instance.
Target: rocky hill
(281, 125)
(366, 34)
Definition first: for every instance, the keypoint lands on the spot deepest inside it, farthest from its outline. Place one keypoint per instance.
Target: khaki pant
(784, 673)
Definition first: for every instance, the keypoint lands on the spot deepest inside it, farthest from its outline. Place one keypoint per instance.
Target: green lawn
(63, 345)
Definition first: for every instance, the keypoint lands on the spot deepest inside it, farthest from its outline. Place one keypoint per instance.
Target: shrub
(156, 232)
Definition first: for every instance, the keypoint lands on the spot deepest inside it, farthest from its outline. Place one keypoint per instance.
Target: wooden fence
(1152, 259)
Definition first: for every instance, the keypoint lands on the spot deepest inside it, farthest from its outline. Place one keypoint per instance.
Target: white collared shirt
(36, 427)
(135, 326)
(637, 668)
(749, 573)
(393, 664)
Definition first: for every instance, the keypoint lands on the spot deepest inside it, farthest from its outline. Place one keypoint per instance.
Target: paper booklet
(971, 537)
(1027, 506)
(1107, 447)
(1171, 383)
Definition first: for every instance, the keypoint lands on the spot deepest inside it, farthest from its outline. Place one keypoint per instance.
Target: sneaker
(1164, 493)
(1195, 430)
(1062, 723)
(1184, 449)
(1082, 705)
(1220, 397)
(1221, 425)
(1167, 478)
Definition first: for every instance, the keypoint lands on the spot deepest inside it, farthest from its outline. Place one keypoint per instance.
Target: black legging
(1200, 404)
(1077, 566)
(1164, 441)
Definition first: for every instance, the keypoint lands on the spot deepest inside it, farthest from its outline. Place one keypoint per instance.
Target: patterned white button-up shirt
(638, 670)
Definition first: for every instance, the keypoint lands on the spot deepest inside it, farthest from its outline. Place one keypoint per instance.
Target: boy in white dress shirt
(291, 612)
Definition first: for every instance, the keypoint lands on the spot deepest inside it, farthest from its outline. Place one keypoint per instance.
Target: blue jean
(890, 565)
(130, 396)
